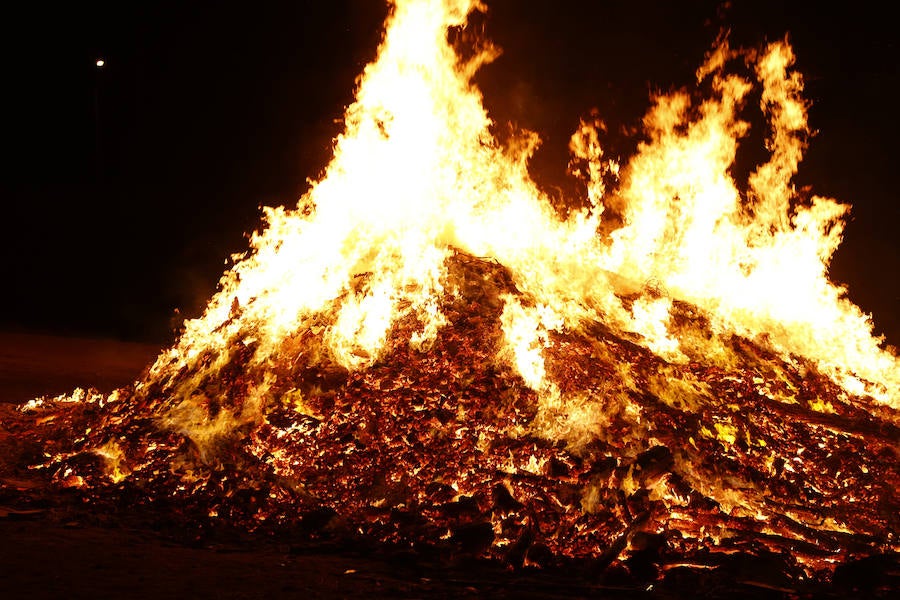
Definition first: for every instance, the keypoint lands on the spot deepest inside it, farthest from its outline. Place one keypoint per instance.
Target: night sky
(125, 189)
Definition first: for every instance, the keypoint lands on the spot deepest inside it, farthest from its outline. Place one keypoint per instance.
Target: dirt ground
(48, 554)
(34, 365)
(41, 560)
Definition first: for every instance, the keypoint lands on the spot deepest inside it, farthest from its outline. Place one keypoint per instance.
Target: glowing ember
(424, 351)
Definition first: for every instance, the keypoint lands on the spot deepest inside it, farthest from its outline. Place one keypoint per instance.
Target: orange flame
(417, 173)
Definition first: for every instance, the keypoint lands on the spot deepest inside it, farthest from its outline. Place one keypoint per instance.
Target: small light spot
(100, 63)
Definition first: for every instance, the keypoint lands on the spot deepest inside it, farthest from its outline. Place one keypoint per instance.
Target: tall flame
(417, 174)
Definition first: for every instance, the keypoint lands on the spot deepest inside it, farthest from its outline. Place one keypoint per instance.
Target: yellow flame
(417, 173)
(114, 460)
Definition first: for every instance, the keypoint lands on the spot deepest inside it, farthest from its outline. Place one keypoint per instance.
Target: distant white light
(100, 62)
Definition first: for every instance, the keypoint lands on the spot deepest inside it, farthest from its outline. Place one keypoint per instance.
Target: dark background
(124, 190)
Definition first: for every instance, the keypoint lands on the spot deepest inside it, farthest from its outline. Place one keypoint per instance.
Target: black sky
(125, 189)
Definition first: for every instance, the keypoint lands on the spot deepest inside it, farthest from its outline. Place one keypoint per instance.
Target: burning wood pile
(656, 395)
(693, 464)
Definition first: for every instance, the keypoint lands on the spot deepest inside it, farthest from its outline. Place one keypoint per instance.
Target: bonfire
(428, 353)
